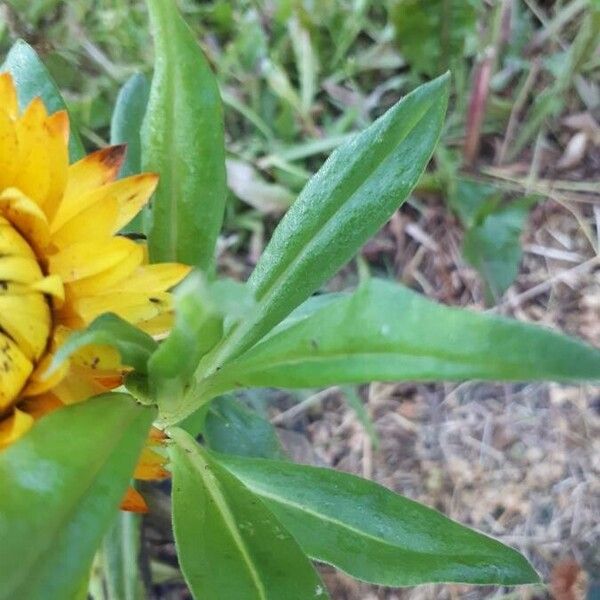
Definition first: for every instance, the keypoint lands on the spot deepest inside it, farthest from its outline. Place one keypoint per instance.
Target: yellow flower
(62, 263)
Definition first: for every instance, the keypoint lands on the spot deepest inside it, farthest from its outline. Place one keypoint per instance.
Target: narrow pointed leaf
(229, 544)
(61, 486)
(125, 127)
(183, 141)
(121, 558)
(386, 332)
(33, 79)
(373, 534)
(355, 192)
(127, 119)
(493, 246)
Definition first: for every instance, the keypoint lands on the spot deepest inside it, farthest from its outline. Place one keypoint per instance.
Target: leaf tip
(516, 569)
(444, 82)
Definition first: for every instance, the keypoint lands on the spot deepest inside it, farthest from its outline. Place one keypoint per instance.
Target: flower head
(62, 263)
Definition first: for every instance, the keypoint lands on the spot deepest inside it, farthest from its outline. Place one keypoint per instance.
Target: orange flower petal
(51, 286)
(41, 405)
(101, 281)
(15, 370)
(39, 382)
(85, 259)
(9, 147)
(110, 382)
(8, 95)
(130, 195)
(57, 128)
(96, 223)
(153, 278)
(134, 307)
(77, 386)
(133, 502)
(150, 466)
(33, 171)
(26, 319)
(141, 188)
(26, 216)
(91, 172)
(97, 357)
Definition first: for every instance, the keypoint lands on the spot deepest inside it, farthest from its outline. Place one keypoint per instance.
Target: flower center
(25, 314)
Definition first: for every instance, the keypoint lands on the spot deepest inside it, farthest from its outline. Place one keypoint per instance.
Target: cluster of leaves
(247, 523)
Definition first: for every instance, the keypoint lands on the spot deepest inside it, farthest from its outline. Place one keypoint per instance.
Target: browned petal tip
(112, 156)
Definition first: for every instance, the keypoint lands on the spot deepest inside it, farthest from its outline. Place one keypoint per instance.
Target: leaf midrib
(307, 247)
(237, 337)
(285, 502)
(164, 28)
(173, 203)
(240, 369)
(190, 451)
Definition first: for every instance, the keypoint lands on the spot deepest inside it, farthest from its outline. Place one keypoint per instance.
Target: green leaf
(432, 34)
(134, 345)
(386, 332)
(470, 200)
(373, 534)
(228, 543)
(307, 62)
(355, 192)
(120, 558)
(61, 486)
(127, 119)
(198, 327)
(493, 246)
(203, 311)
(183, 141)
(33, 79)
(493, 231)
(231, 428)
(125, 127)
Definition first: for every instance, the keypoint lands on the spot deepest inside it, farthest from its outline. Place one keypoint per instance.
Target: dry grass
(519, 462)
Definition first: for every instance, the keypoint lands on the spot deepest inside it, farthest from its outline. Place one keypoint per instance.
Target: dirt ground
(518, 462)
